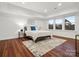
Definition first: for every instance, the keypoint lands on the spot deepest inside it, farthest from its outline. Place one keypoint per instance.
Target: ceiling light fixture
(45, 10)
(59, 4)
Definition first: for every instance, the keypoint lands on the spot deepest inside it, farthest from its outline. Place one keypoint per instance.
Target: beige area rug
(42, 47)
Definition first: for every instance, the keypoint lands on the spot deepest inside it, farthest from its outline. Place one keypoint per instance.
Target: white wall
(9, 25)
(41, 24)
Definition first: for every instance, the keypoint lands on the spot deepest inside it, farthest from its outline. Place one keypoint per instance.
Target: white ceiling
(44, 9)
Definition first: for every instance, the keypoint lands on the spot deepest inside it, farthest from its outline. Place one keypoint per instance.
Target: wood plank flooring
(15, 48)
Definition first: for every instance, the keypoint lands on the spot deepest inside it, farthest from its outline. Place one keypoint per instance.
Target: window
(33, 28)
(70, 23)
(58, 23)
(51, 24)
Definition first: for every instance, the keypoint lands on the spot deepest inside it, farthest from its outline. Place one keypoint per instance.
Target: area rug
(42, 47)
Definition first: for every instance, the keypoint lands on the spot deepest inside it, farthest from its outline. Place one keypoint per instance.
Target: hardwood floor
(15, 48)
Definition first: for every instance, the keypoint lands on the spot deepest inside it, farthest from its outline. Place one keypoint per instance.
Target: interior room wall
(41, 24)
(10, 24)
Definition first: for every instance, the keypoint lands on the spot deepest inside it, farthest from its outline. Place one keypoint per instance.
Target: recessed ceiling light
(45, 10)
(59, 4)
